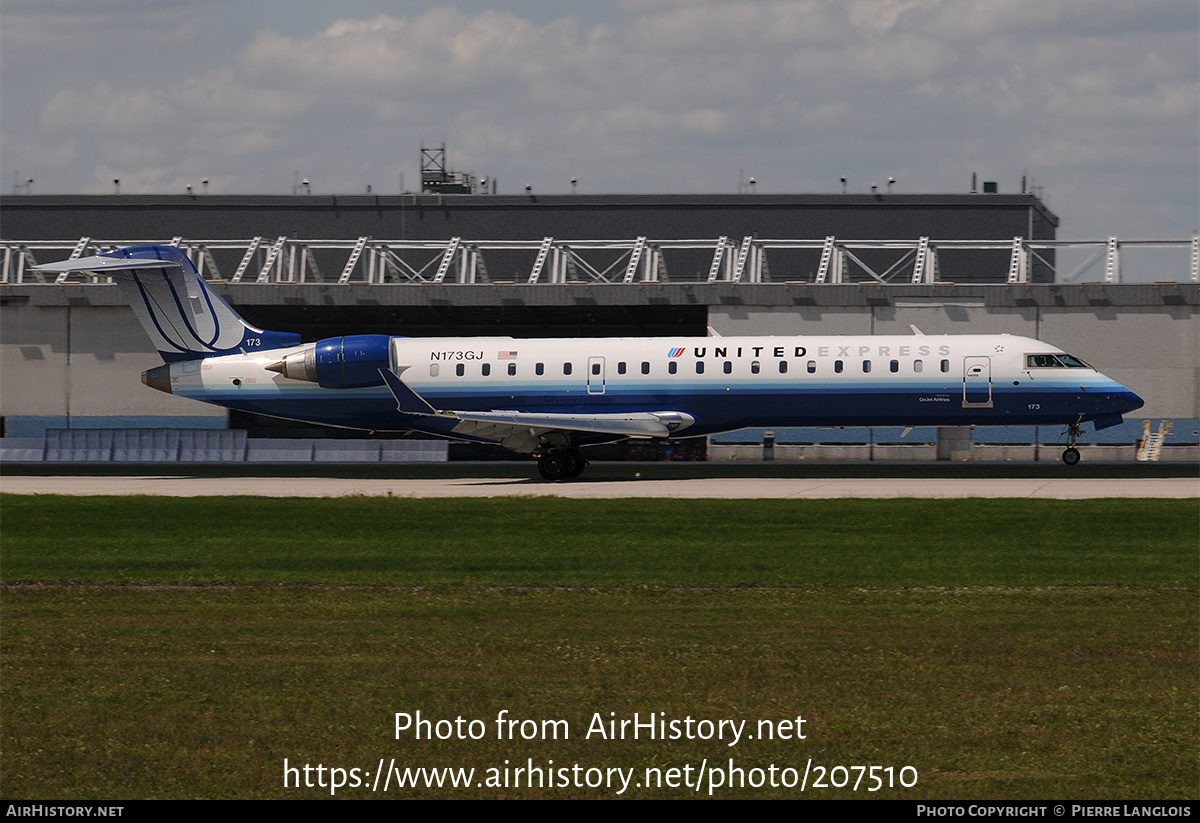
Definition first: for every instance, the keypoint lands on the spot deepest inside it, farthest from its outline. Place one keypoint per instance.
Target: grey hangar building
(574, 266)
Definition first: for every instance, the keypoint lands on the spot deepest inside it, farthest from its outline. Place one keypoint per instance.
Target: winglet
(407, 400)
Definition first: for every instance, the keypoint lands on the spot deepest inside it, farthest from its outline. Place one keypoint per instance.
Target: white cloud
(653, 95)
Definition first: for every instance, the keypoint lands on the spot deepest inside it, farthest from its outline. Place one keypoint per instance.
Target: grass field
(1001, 649)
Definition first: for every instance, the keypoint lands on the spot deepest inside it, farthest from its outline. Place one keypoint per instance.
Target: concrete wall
(34, 346)
(80, 366)
(71, 356)
(977, 453)
(205, 446)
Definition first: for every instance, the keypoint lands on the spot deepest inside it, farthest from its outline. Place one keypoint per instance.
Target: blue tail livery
(184, 318)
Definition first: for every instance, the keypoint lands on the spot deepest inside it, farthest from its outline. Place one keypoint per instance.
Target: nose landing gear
(1070, 455)
(561, 464)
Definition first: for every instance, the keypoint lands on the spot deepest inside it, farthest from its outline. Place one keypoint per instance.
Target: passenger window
(699, 367)
(754, 367)
(433, 369)
(866, 367)
(946, 366)
(783, 367)
(837, 366)
(487, 369)
(621, 367)
(895, 366)
(539, 369)
(566, 368)
(645, 367)
(595, 368)
(673, 366)
(728, 367)
(918, 366)
(512, 369)
(460, 369)
(812, 366)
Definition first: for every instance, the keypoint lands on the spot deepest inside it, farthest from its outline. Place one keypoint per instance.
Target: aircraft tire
(1070, 457)
(580, 463)
(554, 465)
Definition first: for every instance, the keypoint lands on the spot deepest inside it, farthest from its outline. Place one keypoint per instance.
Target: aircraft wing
(523, 431)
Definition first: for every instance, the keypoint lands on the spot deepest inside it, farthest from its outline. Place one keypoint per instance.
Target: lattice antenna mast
(436, 178)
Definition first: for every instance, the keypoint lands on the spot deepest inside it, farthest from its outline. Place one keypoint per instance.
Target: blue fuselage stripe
(716, 408)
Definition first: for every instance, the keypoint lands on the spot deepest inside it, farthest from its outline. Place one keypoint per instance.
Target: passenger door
(977, 382)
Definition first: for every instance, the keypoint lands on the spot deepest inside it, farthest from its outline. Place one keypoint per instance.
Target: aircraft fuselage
(722, 383)
(550, 396)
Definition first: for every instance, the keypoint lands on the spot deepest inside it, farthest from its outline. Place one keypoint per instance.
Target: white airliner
(551, 396)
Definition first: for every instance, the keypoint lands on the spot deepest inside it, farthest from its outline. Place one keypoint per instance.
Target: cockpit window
(1054, 361)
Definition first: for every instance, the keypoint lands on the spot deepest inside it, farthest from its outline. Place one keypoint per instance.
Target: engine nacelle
(349, 362)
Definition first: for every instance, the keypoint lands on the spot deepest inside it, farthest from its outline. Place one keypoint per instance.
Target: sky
(1095, 102)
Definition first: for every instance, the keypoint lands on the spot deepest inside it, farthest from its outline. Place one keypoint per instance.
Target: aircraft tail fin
(183, 317)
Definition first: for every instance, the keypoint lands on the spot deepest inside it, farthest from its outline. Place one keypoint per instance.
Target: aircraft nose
(1117, 399)
(1127, 401)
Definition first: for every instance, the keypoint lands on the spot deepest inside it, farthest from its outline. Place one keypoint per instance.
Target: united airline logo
(675, 352)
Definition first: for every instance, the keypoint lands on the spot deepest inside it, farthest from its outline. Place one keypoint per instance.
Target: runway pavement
(729, 488)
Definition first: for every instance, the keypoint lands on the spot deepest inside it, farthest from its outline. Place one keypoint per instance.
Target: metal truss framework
(555, 261)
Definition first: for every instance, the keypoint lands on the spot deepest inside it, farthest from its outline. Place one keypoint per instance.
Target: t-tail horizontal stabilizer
(183, 317)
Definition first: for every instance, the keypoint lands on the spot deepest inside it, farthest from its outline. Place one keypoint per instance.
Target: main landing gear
(561, 464)
(1070, 455)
